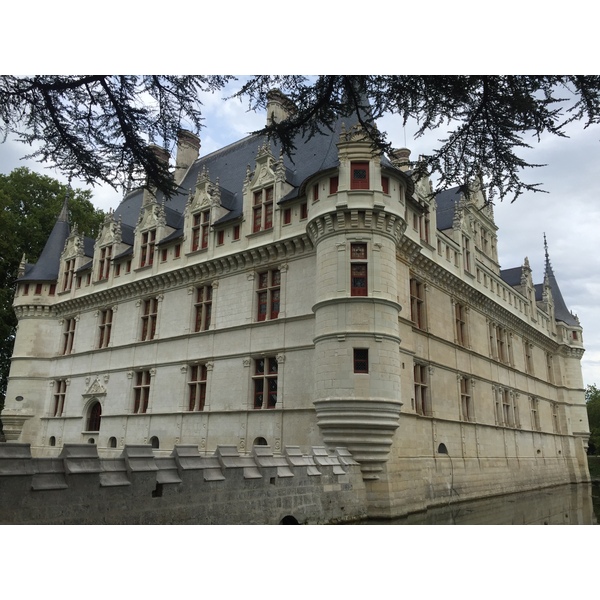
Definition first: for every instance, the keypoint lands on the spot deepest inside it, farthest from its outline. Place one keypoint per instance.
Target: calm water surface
(564, 505)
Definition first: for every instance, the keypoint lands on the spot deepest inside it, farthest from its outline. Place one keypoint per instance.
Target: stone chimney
(163, 156)
(279, 107)
(188, 149)
(400, 158)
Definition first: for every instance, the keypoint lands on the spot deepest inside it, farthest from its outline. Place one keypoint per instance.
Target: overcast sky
(569, 213)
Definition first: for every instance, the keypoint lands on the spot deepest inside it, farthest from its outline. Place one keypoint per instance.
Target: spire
(64, 211)
(561, 312)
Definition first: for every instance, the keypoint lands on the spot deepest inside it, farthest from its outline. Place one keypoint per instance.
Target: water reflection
(564, 505)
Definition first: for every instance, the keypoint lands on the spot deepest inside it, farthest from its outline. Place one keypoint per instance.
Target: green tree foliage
(592, 398)
(29, 206)
(96, 127)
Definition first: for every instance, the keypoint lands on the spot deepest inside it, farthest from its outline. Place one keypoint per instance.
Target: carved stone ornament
(96, 389)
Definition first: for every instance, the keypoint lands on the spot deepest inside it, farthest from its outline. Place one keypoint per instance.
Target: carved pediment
(96, 389)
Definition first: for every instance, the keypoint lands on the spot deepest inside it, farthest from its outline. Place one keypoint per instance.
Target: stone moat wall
(139, 487)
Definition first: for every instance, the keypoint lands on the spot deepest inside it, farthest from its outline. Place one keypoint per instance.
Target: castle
(323, 300)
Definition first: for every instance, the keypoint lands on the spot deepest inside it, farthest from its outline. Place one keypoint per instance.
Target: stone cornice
(250, 258)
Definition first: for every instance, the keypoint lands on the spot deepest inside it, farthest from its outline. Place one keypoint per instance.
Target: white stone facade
(371, 319)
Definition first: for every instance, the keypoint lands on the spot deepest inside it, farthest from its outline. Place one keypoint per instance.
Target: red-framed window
(265, 382)
(147, 248)
(262, 210)
(421, 388)
(68, 274)
(104, 262)
(117, 269)
(105, 326)
(60, 390)
(177, 250)
(203, 308)
(52, 290)
(359, 176)
(269, 294)
(200, 228)
(334, 184)
(25, 289)
(287, 216)
(149, 318)
(361, 360)
(141, 391)
(220, 237)
(315, 192)
(236, 232)
(358, 270)
(197, 387)
(164, 253)
(303, 211)
(417, 303)
(385, 184)
(38, 289)
(68, 335)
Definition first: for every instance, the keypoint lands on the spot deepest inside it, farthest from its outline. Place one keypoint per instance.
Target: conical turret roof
(48, 264)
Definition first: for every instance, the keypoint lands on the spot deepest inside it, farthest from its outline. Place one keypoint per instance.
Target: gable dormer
(72, 258)
(109, 244)
(263, 189)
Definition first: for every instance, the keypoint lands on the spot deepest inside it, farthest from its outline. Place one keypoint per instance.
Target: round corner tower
(355, 231)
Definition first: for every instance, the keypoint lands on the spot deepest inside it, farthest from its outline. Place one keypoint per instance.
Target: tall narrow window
(220, 237)
(147, 248)
(422, 404)
(507, 412)
(550, 367)
(528, 352)
(535, 413)
(203, 308)
(68, 275)
(68, 335)
(104, 262)
(60, 390)
(333, 184)
(501, 344)
(417, 303)
(141, 391)
(466, 247)
(460, 319)
(287, 216)
(359, 176)
(358, 270)
(466, 403)
(361, 360)
(385, 185)
(265, 382)
(315, 192)
(149, 317)
(94, 417)
(236, 232)
(105, 326)
(555, 421)
(262, 210)
(200, 227)
(269, 294)
(303, 211)
(197, 387)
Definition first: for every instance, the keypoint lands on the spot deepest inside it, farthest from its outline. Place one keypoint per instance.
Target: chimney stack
(163, 156)
(400, 158)
(188, 150)
(279, 107)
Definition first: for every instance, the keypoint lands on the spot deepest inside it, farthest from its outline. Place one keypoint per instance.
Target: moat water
(564, 505)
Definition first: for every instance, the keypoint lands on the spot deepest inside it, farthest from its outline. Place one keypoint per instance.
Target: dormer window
(104, 263)
(200, 230)
(262, 210)
(147, 248)
(359, 176)
(68, 275)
